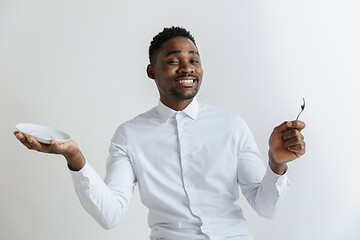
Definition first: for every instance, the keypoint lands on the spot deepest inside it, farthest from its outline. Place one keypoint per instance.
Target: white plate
(42, 133)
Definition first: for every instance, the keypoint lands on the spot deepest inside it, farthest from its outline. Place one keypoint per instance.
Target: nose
(186, 67)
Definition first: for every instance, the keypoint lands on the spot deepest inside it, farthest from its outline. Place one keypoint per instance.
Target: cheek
(167, 71)
(200, 72)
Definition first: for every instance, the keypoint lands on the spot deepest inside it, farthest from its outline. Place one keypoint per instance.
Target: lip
(191, 77)
(184, 81)
(186, 76)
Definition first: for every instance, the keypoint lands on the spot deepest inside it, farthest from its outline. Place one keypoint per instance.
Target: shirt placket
(185, 156)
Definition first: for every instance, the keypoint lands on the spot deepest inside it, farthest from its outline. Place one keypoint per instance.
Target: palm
(67, 148)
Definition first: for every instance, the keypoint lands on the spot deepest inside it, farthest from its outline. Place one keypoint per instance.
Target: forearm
(267, 196)
(101, 202)
(75, 161)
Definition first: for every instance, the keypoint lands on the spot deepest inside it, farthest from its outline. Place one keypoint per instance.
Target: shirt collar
(166, 113)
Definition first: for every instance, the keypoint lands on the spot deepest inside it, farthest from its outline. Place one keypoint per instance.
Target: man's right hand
(69, 149)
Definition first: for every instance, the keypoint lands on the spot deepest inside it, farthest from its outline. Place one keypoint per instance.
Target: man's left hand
(286, 144)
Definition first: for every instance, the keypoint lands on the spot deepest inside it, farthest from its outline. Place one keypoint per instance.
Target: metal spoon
(302, 109)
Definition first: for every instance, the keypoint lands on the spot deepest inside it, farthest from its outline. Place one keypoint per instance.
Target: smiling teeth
(186, 81)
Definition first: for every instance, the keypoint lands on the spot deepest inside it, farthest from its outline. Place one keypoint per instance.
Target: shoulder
(207, 111)
(142, 118)
(227, 120)
(137, 123)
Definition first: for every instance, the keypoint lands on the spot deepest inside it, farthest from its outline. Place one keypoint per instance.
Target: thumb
(56, 147)
(283, 127)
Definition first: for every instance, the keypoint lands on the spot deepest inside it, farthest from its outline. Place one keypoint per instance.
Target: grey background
(79, 66)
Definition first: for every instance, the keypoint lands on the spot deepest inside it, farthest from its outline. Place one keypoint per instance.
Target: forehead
(177, 44)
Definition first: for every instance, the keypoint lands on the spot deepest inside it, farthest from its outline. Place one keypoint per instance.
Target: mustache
(187, 75)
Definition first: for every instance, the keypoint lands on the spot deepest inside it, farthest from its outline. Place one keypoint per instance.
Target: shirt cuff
(81, 178)
(275, 181)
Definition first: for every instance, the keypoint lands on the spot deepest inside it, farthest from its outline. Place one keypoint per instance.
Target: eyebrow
(178, 51)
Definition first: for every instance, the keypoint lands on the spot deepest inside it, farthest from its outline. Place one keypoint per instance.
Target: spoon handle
(302, 109)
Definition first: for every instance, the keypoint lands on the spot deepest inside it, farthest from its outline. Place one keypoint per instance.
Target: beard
(184, 95)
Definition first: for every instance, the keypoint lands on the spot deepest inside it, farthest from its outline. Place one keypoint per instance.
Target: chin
(184, 95)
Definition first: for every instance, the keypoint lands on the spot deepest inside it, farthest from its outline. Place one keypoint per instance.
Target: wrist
(277, 167)
(75, 161)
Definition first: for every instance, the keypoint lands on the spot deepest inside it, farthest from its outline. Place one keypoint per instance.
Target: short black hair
(166, 34)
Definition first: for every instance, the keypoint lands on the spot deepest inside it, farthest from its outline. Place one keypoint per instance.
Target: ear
(150, 71)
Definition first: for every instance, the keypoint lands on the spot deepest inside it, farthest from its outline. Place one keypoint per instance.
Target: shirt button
(196, 211)
(189, 185)
(184, 157)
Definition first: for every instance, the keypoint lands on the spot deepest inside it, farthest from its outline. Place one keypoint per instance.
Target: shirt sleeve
(107, 200)
(263, 189)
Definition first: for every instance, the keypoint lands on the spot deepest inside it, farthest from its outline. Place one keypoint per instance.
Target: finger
(299, 125)
(20, 136)
(299, 148)
(291, 133)
(38, 146)
(283, 127)
(292, 142)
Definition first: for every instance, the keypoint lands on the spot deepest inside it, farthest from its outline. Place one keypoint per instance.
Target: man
(187, 157)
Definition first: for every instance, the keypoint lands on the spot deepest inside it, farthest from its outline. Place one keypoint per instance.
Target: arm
(263, 188)
(105, 201)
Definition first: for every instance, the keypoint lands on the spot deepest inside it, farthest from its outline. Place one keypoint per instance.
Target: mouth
(186, 81)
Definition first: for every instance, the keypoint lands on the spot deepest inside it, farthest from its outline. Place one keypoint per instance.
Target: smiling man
(188, 158)
(177, 71)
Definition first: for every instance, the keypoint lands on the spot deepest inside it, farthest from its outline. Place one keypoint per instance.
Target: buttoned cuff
(274, 181)
(81, 178)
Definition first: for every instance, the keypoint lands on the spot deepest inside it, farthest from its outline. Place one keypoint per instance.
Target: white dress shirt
(189, 165)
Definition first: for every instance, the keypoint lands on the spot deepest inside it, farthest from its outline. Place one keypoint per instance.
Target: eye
(194, 61)
(173, 62)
